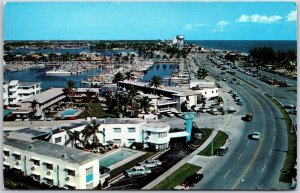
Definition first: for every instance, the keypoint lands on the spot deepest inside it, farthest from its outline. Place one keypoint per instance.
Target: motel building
(52, 164)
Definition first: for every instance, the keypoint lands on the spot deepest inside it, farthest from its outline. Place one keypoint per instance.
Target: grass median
(291, 156)
(217, 142)
(177, 177)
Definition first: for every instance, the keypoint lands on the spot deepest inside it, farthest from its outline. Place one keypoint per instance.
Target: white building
(52, 164)
(207, 88)
(15, 91)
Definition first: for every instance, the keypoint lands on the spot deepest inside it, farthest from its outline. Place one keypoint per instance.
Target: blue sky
(145, 20)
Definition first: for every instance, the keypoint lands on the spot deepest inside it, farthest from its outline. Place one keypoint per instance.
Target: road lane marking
(240, 156)
(273, 138)
(247, 142)
(270, 151)
(263, 168)
(226, 173)
(250, 164)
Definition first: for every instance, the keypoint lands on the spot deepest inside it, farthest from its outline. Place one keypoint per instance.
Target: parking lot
(178, 150)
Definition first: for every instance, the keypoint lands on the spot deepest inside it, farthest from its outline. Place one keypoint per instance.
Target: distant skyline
(150, 20)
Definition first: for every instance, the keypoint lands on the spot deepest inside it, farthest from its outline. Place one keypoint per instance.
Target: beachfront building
(52, 164)
(170, 97)
(15, 91)
(45, 99)
(207, 88)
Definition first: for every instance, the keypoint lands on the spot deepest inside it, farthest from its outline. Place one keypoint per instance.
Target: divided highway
(251, 165)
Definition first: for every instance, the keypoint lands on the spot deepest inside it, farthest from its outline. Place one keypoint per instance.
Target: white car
(150, 163)
(256, 135)
(240, 83)
(49, 119)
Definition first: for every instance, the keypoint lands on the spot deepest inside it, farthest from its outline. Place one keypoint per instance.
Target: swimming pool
(116, 157)
(68, 112)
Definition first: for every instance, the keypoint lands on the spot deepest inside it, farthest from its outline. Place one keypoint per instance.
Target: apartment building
(52, 164)
(15, 91)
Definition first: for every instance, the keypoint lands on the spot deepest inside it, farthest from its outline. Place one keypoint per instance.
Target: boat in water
(58, 72)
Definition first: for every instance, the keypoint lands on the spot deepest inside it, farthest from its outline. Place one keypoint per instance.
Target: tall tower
(180, 41)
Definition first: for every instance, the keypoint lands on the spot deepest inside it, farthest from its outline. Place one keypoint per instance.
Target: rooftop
(46, 95)
(64, 153)
(156, 124)
(25, 84)
(13, 83)
(120, 121)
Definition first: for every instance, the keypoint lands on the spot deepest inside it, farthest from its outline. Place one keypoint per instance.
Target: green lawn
(218, 142)
(291, 156)
(96, 111)
(206, 134)
(177, 177)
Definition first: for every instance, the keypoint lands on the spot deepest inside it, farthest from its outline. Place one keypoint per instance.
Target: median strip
(217, 142)
(177, 177)
(291, 156)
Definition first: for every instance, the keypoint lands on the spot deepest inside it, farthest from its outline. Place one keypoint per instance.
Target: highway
(250, 165)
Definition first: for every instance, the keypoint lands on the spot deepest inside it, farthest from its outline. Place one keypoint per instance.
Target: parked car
(49, 119)
(137, 171)
(240, 103)
(221, 151)
(193, 179)
(255, 136)
(183, 187)
(150, 163)
(248, 117)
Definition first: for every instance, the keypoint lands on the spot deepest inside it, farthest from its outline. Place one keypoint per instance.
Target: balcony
(165, 102)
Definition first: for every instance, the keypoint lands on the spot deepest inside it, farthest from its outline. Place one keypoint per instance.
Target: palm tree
(155, 82)
(70, 88)
(128, 75)
(145, 104)
(132, 93)
(90, 131)
(73, 138)
(34, 104)
(118, 77)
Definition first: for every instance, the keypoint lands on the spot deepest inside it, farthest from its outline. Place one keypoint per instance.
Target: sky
(150, 20)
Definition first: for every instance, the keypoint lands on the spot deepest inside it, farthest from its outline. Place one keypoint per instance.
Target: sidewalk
(181, 163)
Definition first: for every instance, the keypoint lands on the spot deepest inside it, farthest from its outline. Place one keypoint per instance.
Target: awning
(71, 169)
(34, 159)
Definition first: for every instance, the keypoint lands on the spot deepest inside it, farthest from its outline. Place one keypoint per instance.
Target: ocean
(246, 45)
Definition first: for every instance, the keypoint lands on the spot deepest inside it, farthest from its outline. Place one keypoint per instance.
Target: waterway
(39, 75)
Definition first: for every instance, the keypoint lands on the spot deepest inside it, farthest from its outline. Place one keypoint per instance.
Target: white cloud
(191, 26)
(259, 18)
(220, 26)
(292, 16)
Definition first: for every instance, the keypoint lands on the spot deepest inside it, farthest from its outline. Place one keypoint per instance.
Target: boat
(58, 72)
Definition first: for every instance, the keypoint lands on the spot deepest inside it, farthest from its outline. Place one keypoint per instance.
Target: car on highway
(137, 171)
(239, 83)
(150, 163)
(255, 135)
(248, 117)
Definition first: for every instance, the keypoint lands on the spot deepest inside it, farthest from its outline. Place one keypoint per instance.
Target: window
(117, 130)
(162, 146)
(16, 156)
(89, 174)
(161, 135)
(57, 140)
(48, 166)
(36, 177)
(212, 91)
(216, 91)
(131, 130)
(6, 153)
(205, 93)
(70, 172)
(117, 141)
(48, 181)
(131, 141)
(35, 162)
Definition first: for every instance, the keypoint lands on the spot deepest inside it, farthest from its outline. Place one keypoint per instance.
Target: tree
(128, 75)
(118, 77)
(202, 73)
(155, 82)
(34, 104)
(69, 88)
(145, 104)
(90, 132)
(73, 138)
